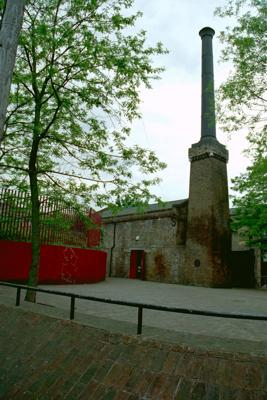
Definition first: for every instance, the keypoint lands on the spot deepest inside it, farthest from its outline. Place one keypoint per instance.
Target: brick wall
(161, 237)
(208, 233)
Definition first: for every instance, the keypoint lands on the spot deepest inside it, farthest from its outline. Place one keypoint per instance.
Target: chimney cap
(207, 31)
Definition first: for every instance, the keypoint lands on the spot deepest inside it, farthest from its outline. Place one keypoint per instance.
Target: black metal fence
(139, 306)
(59, 223)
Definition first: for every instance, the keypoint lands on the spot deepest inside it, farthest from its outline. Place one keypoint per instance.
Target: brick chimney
(208, 232)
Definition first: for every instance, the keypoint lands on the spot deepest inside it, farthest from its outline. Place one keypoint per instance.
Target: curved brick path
(48, 358)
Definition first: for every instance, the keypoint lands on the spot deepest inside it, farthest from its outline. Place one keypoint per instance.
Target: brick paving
(45, 358)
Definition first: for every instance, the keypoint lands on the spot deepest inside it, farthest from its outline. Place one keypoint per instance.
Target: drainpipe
(111, 249)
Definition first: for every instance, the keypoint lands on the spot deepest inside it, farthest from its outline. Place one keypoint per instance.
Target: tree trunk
(35, 239)
(35, 221)
(9, 36)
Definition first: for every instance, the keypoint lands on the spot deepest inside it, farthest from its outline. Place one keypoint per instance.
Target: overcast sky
(171, 110)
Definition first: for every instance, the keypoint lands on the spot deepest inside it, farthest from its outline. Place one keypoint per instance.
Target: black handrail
(140, 306)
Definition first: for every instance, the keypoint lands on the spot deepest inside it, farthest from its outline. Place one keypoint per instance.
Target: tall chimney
(208, 124)
(208, 231)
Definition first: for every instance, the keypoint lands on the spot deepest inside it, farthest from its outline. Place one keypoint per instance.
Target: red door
(137, 264)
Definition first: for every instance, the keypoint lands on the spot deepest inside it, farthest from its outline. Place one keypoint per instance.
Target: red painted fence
(58, 264)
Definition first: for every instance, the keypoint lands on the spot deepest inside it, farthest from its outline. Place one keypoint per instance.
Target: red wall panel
(94, 234)
(58, 264)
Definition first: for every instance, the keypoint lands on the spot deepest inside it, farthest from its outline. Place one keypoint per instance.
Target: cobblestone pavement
(44, 358)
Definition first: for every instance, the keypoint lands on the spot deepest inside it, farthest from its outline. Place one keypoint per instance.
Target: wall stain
(215, 238)
(162, 271)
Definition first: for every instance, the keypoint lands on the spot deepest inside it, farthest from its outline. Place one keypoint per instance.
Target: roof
(168, 205)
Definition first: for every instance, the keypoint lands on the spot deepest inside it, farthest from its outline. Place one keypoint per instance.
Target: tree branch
(14, 167)
(28, 57)
(53, 119)
(75, 176)
(57, 183)
(18, 106)
(53, 34)
(29, 90)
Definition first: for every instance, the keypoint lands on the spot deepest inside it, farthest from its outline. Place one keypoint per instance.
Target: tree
(242, 103)
(75, 93)
(9, 35)
(250, 215)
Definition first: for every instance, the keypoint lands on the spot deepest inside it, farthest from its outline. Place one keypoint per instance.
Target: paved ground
(227, 334)
(44, 358)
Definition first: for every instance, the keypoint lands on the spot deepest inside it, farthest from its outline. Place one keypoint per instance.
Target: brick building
(155, 241)
(186, 241)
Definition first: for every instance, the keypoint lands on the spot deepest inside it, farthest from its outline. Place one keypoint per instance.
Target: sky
(171, 111)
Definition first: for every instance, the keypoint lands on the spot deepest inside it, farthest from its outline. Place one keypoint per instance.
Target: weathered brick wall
(161, 238)
(45, 358)
(208, 230)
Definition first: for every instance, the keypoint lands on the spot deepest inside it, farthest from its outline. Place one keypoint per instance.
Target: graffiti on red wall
(58, 264)
(69, 265)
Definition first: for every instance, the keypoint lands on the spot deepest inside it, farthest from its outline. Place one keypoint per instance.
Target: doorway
(137, 264)
(242, 267)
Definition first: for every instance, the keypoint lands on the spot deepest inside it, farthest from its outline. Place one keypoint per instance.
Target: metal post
(140, 320)
(18, 296)
(72, 307)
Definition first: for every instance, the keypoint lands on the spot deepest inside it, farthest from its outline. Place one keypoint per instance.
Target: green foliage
(2, 9)
(251, 203)
(242, 98)
(242, 103)
(58, 223)
(74, 96)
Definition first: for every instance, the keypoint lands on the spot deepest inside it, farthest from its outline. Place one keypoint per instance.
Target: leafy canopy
(251, 203)
(243, 97)
(242, 103)
(75, 92)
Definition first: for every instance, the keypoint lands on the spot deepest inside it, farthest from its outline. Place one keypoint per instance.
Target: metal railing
(139, 306)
